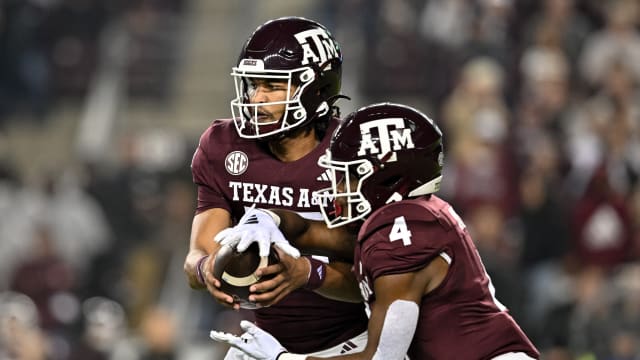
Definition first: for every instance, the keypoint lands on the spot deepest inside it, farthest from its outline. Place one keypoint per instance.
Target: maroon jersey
(233, 173)
(404, 237)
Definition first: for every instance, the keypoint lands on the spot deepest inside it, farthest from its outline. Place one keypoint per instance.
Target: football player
(427, 292)
(287, 80)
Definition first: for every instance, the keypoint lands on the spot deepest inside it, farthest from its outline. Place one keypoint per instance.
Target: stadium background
(102, 103)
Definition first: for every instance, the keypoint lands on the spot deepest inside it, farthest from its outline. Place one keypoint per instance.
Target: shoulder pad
(422, 209)
(219, 135)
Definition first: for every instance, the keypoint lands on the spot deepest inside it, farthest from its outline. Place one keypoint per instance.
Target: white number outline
(400, 231)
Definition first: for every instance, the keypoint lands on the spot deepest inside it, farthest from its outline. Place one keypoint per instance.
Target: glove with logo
(255, 342)
(257, 225)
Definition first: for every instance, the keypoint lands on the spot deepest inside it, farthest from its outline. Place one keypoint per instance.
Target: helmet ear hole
(363, 206)
(307, 76)
(364, 168)
(299, 114)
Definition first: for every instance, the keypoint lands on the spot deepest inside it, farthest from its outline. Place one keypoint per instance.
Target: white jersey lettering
(266, 194)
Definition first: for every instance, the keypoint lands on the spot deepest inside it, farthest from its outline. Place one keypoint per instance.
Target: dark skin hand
(315, 237)
(288, 275)
(291, 274)
(204, 227)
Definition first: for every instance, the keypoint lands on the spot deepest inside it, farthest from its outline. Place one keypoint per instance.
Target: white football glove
(235, 354)
(256, 226)
(255, 342)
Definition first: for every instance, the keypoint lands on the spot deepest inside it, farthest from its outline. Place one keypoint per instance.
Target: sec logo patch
(236, 162)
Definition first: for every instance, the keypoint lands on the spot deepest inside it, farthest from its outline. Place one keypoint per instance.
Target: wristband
(290, 356)
(199, 269)
(317, 273)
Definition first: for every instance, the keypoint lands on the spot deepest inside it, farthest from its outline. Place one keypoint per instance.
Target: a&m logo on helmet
(391, 135)
(325, 47)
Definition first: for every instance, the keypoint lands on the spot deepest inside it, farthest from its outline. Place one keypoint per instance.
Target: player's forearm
(314, 236)
(340, 283)
(390, 333)
(195, 260)
(204, 227)
(194, 264)
(293, 226)
(190, 267)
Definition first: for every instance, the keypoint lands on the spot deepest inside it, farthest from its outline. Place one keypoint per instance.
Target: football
(236, 271)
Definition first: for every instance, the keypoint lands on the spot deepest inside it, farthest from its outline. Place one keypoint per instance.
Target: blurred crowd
(539, 102)
(51, 49)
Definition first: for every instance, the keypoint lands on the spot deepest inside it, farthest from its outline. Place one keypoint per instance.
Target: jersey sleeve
(416, 244)
(204, 175)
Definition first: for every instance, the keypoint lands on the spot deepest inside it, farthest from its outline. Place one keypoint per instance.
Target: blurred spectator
(24, 68)
(625, 342)
(490, 35)
(105, 334)
(151, 266)
(19, 207)
(476, 106)
(447, 23)
(619, 41)
(544, 97)
(557, 353)
(394, 60)
(159, 333)
(476, 120)
(590, 323)
(601, 225)
(153, 29)
(613, 114)
(624, 346)
(72, 33)
(20, 334)
(559, 25)
(114, 187)
(499, 251)
(545, 110)
(545, 234)
(43, 277)
(79, 228)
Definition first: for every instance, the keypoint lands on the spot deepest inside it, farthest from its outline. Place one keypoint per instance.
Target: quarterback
(287, 80)
(428, 295)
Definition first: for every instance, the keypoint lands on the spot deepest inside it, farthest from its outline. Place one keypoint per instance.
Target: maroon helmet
(391, 151)
(301, 53)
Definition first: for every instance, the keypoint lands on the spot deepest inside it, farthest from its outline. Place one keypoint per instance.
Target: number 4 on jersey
(400, 231)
